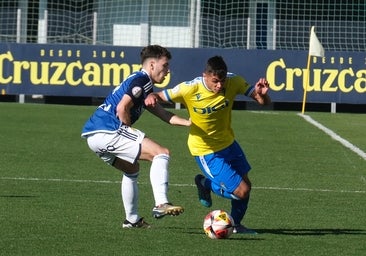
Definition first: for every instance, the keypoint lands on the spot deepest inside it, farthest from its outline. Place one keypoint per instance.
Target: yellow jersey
(210, 112)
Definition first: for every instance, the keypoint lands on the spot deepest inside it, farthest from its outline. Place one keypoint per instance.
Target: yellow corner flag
(315, 49)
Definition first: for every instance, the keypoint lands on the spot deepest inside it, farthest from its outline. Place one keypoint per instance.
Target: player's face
(214, 83)
(159, 69)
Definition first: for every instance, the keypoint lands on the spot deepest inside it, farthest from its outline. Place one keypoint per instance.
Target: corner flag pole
(315, 49)
(306, 85)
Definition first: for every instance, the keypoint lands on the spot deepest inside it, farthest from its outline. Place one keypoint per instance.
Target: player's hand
(262, 86)
(151, 100)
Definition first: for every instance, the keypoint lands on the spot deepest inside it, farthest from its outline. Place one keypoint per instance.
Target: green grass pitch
(58, 198)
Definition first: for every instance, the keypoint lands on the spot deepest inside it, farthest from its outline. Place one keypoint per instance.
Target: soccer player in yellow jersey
(209, 100)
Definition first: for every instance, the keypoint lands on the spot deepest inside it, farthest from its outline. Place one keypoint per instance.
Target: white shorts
(125, 143)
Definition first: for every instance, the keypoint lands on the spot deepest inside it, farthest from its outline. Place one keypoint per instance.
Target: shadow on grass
(195, 231)
(312, 232)
(17, 196)
(232, 237)
(286, 232)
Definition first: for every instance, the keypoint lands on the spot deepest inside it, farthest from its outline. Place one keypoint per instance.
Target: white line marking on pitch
(181, 185)
(335, 136)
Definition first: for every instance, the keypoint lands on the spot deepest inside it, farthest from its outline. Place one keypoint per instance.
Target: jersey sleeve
(136, 89)
(242, 85)
(175, 94)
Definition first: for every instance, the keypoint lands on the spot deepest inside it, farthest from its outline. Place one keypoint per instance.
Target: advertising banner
(93, 71)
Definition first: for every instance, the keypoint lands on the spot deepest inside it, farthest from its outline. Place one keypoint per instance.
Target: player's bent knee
(242, 192)
(164, 151)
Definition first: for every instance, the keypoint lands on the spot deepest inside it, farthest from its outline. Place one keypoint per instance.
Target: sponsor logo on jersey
(211, 109)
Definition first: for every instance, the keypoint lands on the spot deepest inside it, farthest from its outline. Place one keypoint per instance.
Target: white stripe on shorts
(125, 132)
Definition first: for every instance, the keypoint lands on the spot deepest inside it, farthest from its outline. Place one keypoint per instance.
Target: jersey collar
(144, 71)
(204, 84)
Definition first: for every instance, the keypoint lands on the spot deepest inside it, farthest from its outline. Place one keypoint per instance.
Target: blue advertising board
(93, 71)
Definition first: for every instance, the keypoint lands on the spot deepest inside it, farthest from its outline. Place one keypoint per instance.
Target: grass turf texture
(58, 198)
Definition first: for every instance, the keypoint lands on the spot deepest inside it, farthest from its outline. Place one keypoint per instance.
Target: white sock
(159, 177)
(129, 192)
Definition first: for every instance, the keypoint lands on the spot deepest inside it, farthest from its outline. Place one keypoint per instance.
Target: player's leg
(204, 190)
(239, 203)
(239, 207)
(122, 153)
(226, 173)
(159, 177)
(242, 191)
(130, 193)
(219, 176)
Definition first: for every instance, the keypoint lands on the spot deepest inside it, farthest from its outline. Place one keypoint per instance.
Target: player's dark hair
(216, 66)
(154, 51)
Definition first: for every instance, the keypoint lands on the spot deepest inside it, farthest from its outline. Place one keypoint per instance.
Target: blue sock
(238, 209)
(207, 184)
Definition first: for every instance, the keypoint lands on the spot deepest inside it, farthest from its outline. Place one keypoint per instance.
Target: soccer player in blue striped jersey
(110, 135)
(209, 100)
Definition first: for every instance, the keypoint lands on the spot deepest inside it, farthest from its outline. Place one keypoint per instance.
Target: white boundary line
(335, 136)
(180, 185)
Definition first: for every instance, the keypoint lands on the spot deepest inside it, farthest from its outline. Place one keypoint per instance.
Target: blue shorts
(224, 168)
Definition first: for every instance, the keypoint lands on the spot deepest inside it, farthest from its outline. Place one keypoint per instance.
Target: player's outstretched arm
(154, 98)
(168, 116)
